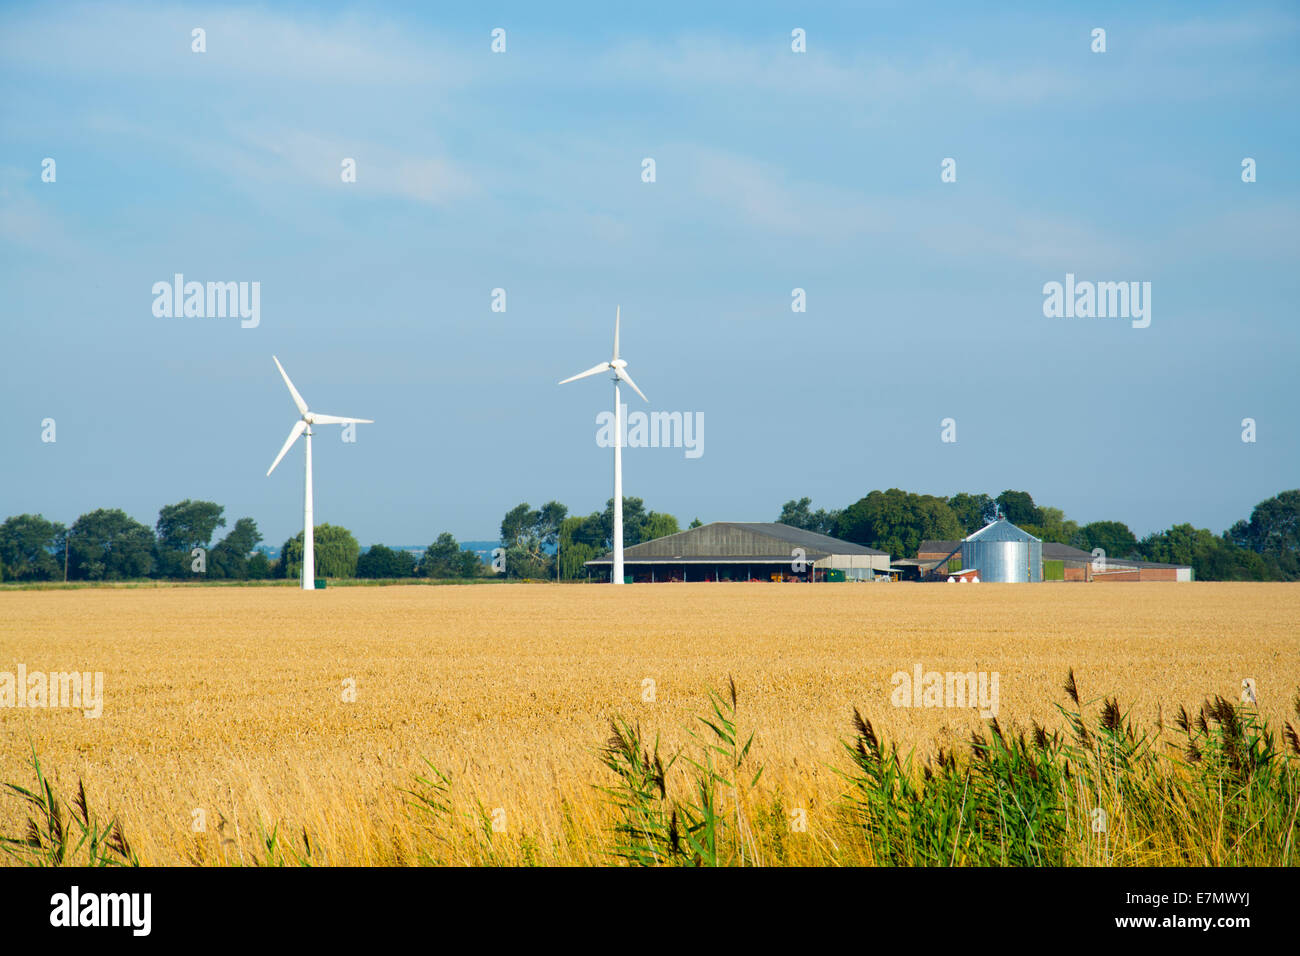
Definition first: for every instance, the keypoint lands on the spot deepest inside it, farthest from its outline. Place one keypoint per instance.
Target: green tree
(634, 515)
(898, 521)
(1273, 532)
(259, 567)
(337, 553)
(1018, 507)
(972, 511)
(109, 545)
(581, 540)
(696, 523)
(1113, 537)
(383, 562)
(549, 519)
(442, 558)
(519, 526)
(27, 545)
(658, 525)
(1054, 526)
(181, 528)
(1211, 557)
(799, 514)
(229, 558)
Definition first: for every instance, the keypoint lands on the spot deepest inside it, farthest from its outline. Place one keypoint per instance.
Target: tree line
(1264, 547)
(110, 545)
(548, 543)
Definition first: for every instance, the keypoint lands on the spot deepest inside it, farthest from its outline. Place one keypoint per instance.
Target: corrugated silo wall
(1035, 561)
(1001, 562)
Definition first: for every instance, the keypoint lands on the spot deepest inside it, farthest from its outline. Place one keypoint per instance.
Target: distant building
(747, 551)
(1060, 563)
(1003, 553)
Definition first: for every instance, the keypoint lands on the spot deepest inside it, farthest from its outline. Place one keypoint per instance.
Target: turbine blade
(617, 309)
(297, 399)
(628, 378)
(299, 427)
(317, 419)
(594, 370)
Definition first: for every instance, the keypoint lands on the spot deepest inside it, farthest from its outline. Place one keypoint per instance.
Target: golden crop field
(228, 706)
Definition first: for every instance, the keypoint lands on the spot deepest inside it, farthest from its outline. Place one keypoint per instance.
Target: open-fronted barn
(747, 551)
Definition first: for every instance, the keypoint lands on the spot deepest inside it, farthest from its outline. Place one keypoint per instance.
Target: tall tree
(1273, 531)
(658, 525)
(1113, 537)
(519, 526)
(27, 544)
(799, 514)
(634, 515)
(229, 558)
(109, 545)
(383, 562)
(337, 553)
(973, 511)
(181, 528)
(1054, 526)
(442, 559)
(1018, 507)
(581, 540)
(898, 521)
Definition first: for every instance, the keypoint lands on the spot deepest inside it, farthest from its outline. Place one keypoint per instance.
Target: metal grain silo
(1003, 553)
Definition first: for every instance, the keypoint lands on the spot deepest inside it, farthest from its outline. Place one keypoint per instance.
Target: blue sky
(522, 171)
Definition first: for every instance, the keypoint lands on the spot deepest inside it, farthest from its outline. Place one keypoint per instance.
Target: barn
(747, 551)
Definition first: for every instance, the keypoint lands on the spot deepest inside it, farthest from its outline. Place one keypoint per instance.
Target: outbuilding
(747, 551)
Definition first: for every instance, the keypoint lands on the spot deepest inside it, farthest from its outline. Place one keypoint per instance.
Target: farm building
(747, 551)
(1060, 563)
(998, 552)
(1117, 569)
(1003, 553)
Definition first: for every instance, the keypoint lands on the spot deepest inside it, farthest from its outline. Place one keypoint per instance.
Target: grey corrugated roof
(806, 538)
(1001, 530)
(937, 547)
(1116, 564)
(738, 541)
(1055, 551)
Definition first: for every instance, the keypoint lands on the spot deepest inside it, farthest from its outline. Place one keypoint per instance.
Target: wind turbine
(303, 425)
(619, 367)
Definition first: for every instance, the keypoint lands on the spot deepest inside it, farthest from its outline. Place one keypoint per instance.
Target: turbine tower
(619, 367)
(303, 426)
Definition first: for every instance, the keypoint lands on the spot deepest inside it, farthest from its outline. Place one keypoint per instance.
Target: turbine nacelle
(308, 419)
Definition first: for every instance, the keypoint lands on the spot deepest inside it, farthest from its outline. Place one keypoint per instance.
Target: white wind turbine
(619, 367)
(304, 424)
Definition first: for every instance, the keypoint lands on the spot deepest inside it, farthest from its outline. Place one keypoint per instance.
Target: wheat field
(227, 714)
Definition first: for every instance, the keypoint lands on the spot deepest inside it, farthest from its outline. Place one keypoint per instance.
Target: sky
(523, 170)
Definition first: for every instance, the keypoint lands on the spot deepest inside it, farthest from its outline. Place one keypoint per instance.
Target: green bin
(320, 584)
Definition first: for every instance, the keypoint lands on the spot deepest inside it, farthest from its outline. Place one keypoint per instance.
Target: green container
(320, 584)
(627, 579)
(835, 574)
(1053, 570)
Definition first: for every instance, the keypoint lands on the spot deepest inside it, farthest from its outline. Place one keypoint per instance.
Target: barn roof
(729, 541)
